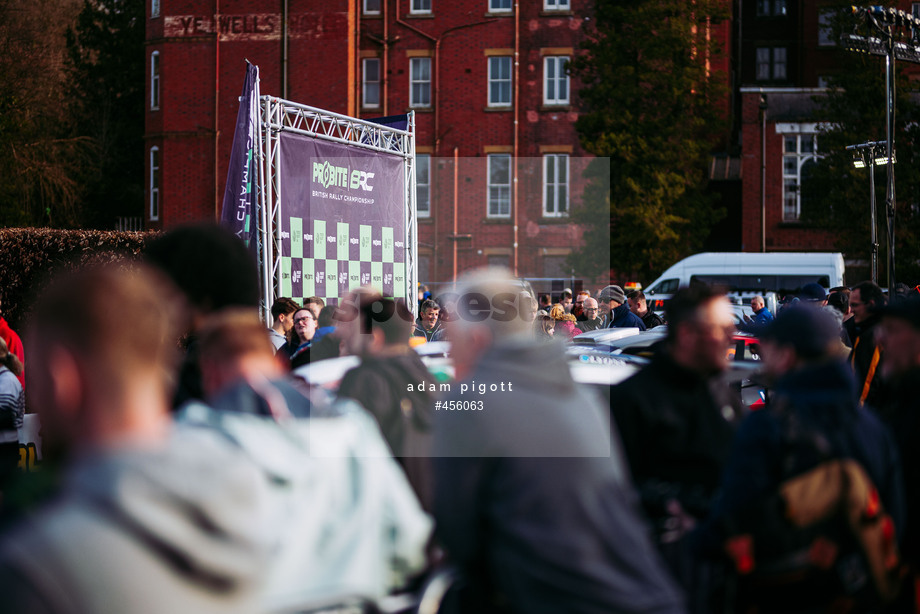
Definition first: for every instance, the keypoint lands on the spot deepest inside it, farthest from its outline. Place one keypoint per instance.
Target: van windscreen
(781, 284)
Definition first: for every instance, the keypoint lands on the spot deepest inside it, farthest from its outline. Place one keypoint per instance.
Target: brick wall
(780, 235)
(461, 33)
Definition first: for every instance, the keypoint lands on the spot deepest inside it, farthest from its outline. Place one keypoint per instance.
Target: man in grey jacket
(148, 519)
(532, 496)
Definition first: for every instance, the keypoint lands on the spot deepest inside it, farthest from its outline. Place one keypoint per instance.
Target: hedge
(30, 257)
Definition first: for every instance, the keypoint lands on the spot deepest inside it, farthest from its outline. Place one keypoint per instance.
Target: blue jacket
(758, 323)
(823, 398)
(622, 317)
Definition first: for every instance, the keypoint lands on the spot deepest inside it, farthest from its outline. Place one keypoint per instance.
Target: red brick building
(487, 83)
(784, 51)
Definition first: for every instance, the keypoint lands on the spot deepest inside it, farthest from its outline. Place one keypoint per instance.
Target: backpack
(820, 540)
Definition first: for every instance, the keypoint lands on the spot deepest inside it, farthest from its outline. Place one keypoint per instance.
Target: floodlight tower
(893, 34)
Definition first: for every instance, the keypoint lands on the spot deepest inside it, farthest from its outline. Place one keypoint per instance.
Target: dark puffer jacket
(822, 399)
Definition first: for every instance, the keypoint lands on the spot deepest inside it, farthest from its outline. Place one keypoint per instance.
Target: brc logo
(328, 175)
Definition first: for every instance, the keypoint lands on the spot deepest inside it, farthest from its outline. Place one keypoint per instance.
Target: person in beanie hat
(813, 399)
(619, 315)
(603, 305)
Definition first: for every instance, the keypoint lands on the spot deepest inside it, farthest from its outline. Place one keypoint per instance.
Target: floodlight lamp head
(858, 160)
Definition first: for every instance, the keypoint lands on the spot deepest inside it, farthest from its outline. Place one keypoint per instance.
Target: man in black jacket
(592, 321)
(639, 306)
(676, 418)
(866, 299)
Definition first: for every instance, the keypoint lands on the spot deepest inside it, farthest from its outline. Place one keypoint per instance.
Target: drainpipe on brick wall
(217, 199)
(517, 115)
(386, 55)
(354, 47)
(284, 49)
(456, 206)
(763, 172)
(437, 47)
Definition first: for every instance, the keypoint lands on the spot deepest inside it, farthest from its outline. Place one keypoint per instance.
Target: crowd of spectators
(190, 464)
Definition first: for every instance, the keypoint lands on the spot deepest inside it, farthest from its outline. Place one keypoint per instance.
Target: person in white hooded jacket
(149, 518)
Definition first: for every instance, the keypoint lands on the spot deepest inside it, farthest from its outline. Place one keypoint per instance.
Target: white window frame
(498, 193)
(368, 11)
(415, 65)
(555, 185)
(560, 77)
(423, 205)
(420, 7)
(366, 83)
(795, 155)
(493, 62)
(154, 80)
(556, 5)
(154, 184)
(915, 9)
(154, 8)
(499, 9)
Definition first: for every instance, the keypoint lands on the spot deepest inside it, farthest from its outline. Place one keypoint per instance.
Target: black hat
(813, 293)
(904, 308)
(809, 330)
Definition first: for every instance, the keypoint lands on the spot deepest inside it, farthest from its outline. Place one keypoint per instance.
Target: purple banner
(343, 219)
(239, 212)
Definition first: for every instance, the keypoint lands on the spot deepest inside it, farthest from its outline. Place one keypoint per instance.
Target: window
(155, 80)
(420, 6)
(370, 84)
(915, 9)
(826, 28)
(800, 154)
(555, 185)
(771, 8)
(371, 7)
(499, 6)
(555, 267)
(555, 80)
(154, 8)
(556, 5)
(423, 184)
(763, 63)
(771, 63)
(420, 82)
(502, 260)
(500, 82)
(499, 185)
(154, 183)
(779, 62)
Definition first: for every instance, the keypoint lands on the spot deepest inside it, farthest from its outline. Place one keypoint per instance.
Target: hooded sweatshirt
(176, 529)
(532, 495)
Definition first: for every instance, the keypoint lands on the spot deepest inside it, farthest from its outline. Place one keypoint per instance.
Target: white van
(749, 273)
